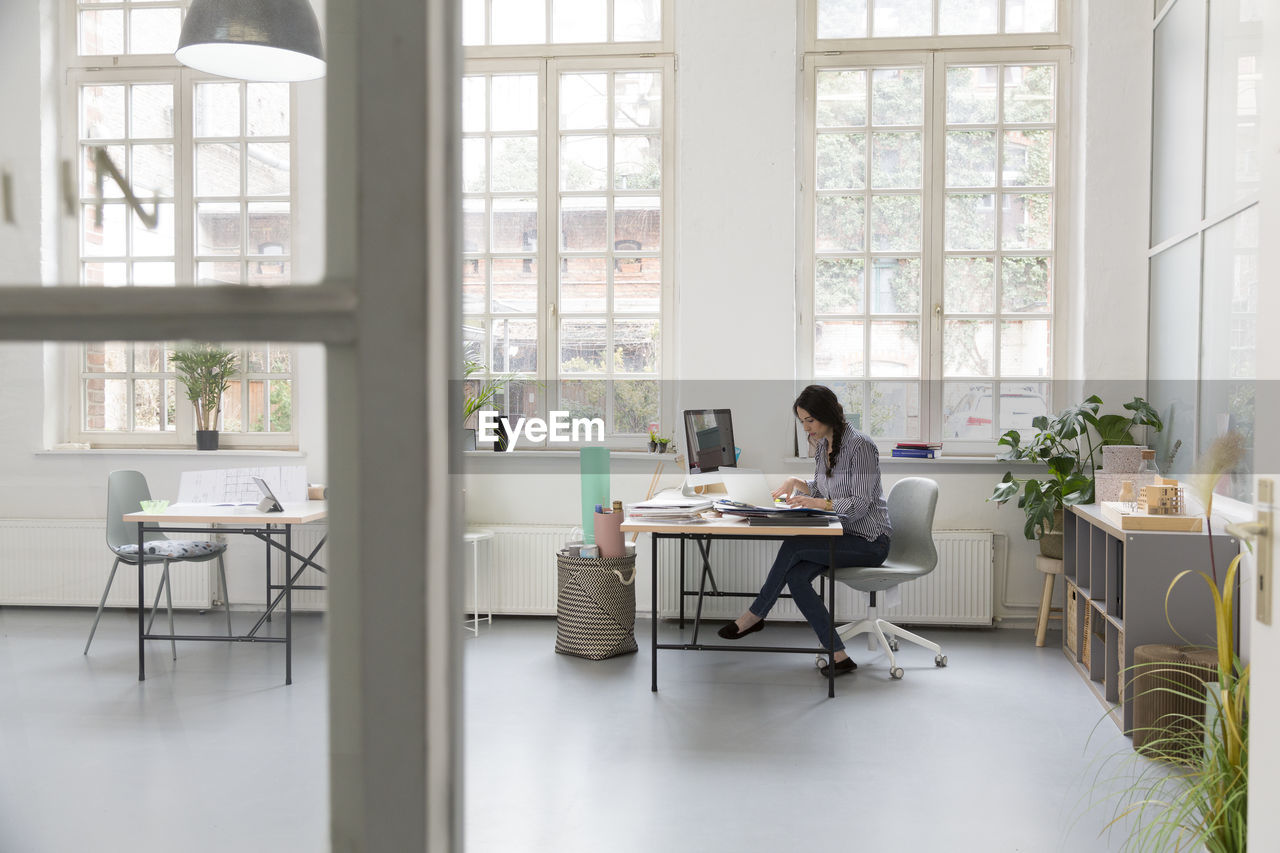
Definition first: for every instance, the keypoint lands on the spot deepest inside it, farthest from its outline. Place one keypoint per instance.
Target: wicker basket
(595, 606)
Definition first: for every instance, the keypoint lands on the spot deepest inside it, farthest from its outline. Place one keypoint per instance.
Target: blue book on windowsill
(914, 452)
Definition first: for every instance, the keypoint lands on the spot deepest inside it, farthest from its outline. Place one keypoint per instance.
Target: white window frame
(934, 62)
(157, 68)
(813, 45)
(603, 58)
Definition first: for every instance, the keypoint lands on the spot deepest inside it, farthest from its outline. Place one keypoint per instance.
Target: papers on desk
(670, 507)
(235, 486)
(779, 511)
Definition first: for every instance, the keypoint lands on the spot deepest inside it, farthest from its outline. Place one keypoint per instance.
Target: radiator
(67, 563)
(517, 568)
(957, 592)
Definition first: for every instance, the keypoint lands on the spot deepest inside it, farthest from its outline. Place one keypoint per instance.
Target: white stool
(474, 538)
(1050, 566)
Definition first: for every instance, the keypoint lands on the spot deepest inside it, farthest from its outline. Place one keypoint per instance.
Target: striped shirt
(854, 485)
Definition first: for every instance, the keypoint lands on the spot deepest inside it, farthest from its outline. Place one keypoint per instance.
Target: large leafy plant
(206, 370)
(478, 393)
(1070, 446)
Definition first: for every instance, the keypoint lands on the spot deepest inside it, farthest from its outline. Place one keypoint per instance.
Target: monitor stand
(703, 484)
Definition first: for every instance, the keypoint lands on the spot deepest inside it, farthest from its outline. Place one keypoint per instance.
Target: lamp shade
(274, 40)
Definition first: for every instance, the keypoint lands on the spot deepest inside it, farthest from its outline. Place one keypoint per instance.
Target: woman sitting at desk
(846, 480)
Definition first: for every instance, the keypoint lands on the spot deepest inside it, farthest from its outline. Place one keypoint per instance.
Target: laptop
(268, 502)
(748, 486)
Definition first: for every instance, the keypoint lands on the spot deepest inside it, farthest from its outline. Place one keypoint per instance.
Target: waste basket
(595, 605)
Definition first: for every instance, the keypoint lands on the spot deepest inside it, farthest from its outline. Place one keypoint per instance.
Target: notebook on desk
(789, 520)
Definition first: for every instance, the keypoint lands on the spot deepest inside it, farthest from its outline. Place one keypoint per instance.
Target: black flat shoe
(731, 632)
(842, 666)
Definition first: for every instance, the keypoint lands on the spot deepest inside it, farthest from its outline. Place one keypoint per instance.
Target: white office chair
(125, 491)
(911, 555)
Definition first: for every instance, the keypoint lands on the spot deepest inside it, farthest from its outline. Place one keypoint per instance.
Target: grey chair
(911, 555)
(125, 491)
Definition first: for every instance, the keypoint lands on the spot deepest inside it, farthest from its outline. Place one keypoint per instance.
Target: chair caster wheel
(896, 673)
(820, 662)
(940, 660)
(893, 645)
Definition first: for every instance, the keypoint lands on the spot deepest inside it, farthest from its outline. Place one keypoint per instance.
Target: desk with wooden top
(269, 527)
(704, 532)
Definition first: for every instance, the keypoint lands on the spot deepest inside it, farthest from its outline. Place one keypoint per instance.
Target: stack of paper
(670, 507)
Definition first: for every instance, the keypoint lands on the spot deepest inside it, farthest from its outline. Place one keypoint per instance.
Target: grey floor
(1003, 750)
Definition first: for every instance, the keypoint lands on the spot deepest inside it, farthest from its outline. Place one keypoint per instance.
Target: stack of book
(918, 449)
(670, 507)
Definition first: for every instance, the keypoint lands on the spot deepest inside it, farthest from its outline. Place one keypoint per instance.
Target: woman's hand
(807, 502)
(793, 485)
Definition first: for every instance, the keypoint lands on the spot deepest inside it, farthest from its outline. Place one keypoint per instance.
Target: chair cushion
(877, 578)
(173, 549)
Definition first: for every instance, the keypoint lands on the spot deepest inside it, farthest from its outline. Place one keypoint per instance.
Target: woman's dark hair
(821, 404)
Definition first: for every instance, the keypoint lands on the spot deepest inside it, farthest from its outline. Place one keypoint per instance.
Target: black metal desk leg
(831, 610)
(268, 541)
(653, 609)
(288, 604)
(142, 665)
(681, 540)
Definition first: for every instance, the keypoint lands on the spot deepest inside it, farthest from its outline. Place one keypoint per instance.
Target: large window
(565, 197)
(931, 209)
(209, 168)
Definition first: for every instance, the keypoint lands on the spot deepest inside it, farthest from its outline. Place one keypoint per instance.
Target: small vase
(206, 439)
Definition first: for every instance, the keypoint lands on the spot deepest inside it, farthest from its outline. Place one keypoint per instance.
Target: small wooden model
(1160, 500)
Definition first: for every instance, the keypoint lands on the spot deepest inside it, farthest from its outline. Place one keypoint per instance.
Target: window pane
(514, 346)
(218, 169)
(1029, 16)
(584, 101)
(515, 285)
(107, 404)
(637, 20)
(473, 285)
(281, 400)
(1020, 404)
(837, 348)
(578, 21)
(840, 223)
(966, 411)
(218, 229)
(637, 222)
(1028, 221)
(971, 222)
(1025, 284)
(474, 225)
(962, 17)
(894, 410)
(473, 104)
(472, 22)
(637, 162)
(1024, 348)
(584, 162)
(842, 98)
(637, 285)
(153, 274)
(104, 275)
(637, 99)
(89, 170)
(966, 347)
(1028, 93)
(583, 398)
(152, 113)
(635, 346)
(970, 286)
(583, 224)
(897, 96)
(217, 111)
(838, 285)
(102, 112)
(148, 405)
(102, 32)
(157, 240)
(269, 228)
(583, 286)
(514, 164)
(515, 102)
(971, 94)
(901, 18)
(154, 30)
(473, 165)
(268, 168)
(518, 22)
(218, 272)
(896, 161)
(842, 19)
(1232, 120)
(515, 225)
(107, 357)
(105, 238)
(895, 223)
(583, 346)
(971, 158)
(636, 403)
(895, 285)
(841, 161)
(267, 109)
(152, 170)
(895, 348)
(233, 407)
(268, 272)
(1028, 158)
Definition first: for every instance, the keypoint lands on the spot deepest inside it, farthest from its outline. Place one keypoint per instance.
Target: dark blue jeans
(803, 558)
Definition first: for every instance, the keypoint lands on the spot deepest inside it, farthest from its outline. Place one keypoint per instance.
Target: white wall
(736, 92)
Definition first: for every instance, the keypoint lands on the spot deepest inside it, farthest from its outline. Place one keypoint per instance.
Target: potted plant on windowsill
(1070, 445)
(663, 444)
(206, 370)
(478, 393)
(653, 441)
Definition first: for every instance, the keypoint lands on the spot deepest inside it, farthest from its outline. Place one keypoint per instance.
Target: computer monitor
(709, 438)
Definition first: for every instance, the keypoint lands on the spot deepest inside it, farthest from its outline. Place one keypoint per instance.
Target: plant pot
(468, 439)
(206, 439)
(1051, 541)
(662, 448)
(653, 447)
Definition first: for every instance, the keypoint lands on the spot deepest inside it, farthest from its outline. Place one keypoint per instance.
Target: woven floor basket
(595, 606)
(1169, 698)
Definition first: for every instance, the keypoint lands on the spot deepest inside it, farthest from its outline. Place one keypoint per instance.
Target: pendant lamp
(269, 40)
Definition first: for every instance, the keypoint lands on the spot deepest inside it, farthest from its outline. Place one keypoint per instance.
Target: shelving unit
(1116, 585)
